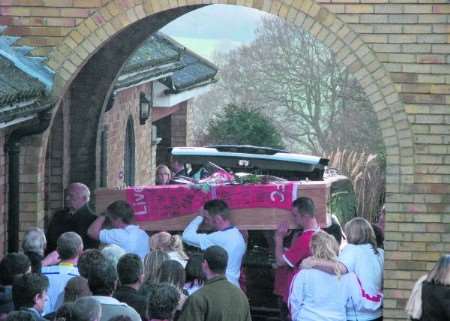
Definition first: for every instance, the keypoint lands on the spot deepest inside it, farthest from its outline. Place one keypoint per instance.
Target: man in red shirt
(288, 261)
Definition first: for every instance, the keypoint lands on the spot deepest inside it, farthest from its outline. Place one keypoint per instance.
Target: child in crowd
(194, 274)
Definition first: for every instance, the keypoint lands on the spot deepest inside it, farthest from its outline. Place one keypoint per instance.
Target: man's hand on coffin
(282, 230)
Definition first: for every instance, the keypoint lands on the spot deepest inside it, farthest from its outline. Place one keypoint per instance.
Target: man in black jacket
(131, 276)
(76, 217)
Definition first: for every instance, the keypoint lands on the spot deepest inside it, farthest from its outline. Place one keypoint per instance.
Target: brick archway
(106, 24)
(68, 58)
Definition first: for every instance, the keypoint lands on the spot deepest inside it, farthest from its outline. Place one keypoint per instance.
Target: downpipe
(13, 150)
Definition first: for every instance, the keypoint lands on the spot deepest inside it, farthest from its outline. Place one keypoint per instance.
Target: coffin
(253, 206)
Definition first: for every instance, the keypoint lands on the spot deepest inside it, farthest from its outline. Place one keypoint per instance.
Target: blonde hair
(152, 265)
(440, 274)
(359, 231)
(167, 242)
(324, 246)
(159, 167)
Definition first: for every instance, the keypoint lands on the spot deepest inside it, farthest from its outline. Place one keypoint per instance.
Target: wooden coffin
(244, 218)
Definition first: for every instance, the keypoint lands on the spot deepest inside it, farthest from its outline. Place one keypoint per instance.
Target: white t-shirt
(131, 238)
(368, 267)
(320, 296)
(58, 276)
(230, 239)
(174, 255)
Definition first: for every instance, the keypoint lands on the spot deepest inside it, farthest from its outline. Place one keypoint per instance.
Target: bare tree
(291, 77)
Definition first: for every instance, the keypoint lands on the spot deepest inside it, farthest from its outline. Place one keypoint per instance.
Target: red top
(298, 251)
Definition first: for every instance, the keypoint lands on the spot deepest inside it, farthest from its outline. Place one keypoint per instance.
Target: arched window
(129, 151)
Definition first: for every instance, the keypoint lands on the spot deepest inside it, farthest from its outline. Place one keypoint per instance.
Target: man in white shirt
(217, 215)
(130, 237)
(69, 247)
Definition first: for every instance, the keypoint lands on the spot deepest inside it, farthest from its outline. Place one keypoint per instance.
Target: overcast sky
(216, 26)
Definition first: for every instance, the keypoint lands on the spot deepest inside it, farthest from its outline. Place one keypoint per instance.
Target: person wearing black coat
(436, 292)
(76, 217)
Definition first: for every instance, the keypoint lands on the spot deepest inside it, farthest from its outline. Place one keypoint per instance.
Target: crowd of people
(106, 268)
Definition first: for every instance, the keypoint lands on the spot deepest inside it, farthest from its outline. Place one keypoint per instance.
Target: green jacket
(217, 300)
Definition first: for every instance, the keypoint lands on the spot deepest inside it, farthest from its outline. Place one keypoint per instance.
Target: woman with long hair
(163, 175)
(316, 295)
(436, 292)
(171, 244)
(362, 257)
(172, 272)
(152, 265)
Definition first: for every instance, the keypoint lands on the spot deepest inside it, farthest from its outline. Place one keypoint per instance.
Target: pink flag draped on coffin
(153, 203)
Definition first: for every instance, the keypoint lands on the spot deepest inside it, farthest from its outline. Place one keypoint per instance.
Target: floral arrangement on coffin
(212, 174)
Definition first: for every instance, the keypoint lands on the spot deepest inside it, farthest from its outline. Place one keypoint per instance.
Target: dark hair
(217, 207)
(19, 316)
(86, 309)
(102, 278)
(335, 230)
(64, 313)
(162, 301)
(379, 236)
(122, 210)
(304, 206)
(172, 272)
(12, 265)
(76, 288)
(129, 268)
(69, 245)
(121, 317)
(88, 259)
(217, 259)
(194, 269)
(35, 260)
(26, 287)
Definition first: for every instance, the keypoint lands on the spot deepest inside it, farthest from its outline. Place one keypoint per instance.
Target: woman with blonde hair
(163, 175)
(152, 265)
(171, 244)
(317, 295)
(436, 292)
(362, 257)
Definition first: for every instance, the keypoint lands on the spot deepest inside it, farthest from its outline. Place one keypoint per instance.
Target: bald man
(76, 217)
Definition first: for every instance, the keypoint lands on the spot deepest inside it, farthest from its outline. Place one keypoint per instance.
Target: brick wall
(126, 104)
(178, 126)
(173, 132)
(57, 160)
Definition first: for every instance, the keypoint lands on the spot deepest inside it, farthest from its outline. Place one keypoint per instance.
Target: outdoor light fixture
(145, 104)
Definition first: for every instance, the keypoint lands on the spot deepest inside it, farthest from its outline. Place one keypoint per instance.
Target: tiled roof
(197, 70)
(16, 86)
(24, 81)
(160, 55)
(154, 51)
